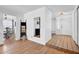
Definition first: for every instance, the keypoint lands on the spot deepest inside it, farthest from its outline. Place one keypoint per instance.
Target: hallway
(63, 42)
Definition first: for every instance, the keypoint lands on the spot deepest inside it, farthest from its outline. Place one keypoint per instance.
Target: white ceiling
(19, 10)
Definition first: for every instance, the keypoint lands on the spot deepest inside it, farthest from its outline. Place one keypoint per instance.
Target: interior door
(66, 25)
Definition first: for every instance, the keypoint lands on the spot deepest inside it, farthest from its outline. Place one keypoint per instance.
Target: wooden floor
(63, 42)
(27, 47)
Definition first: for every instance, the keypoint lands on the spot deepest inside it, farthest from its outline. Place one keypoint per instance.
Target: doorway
(37, 27)
(8, 28)
(64, 25)
(22, 30)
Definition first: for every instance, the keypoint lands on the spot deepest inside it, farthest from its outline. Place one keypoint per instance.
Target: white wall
(78, 27)
(74, 25)
(53, 25)
(17, 33)
(1, 29)
(48, 23)
(44, 25)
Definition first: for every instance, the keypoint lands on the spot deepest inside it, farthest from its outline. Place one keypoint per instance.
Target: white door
(66, 27)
